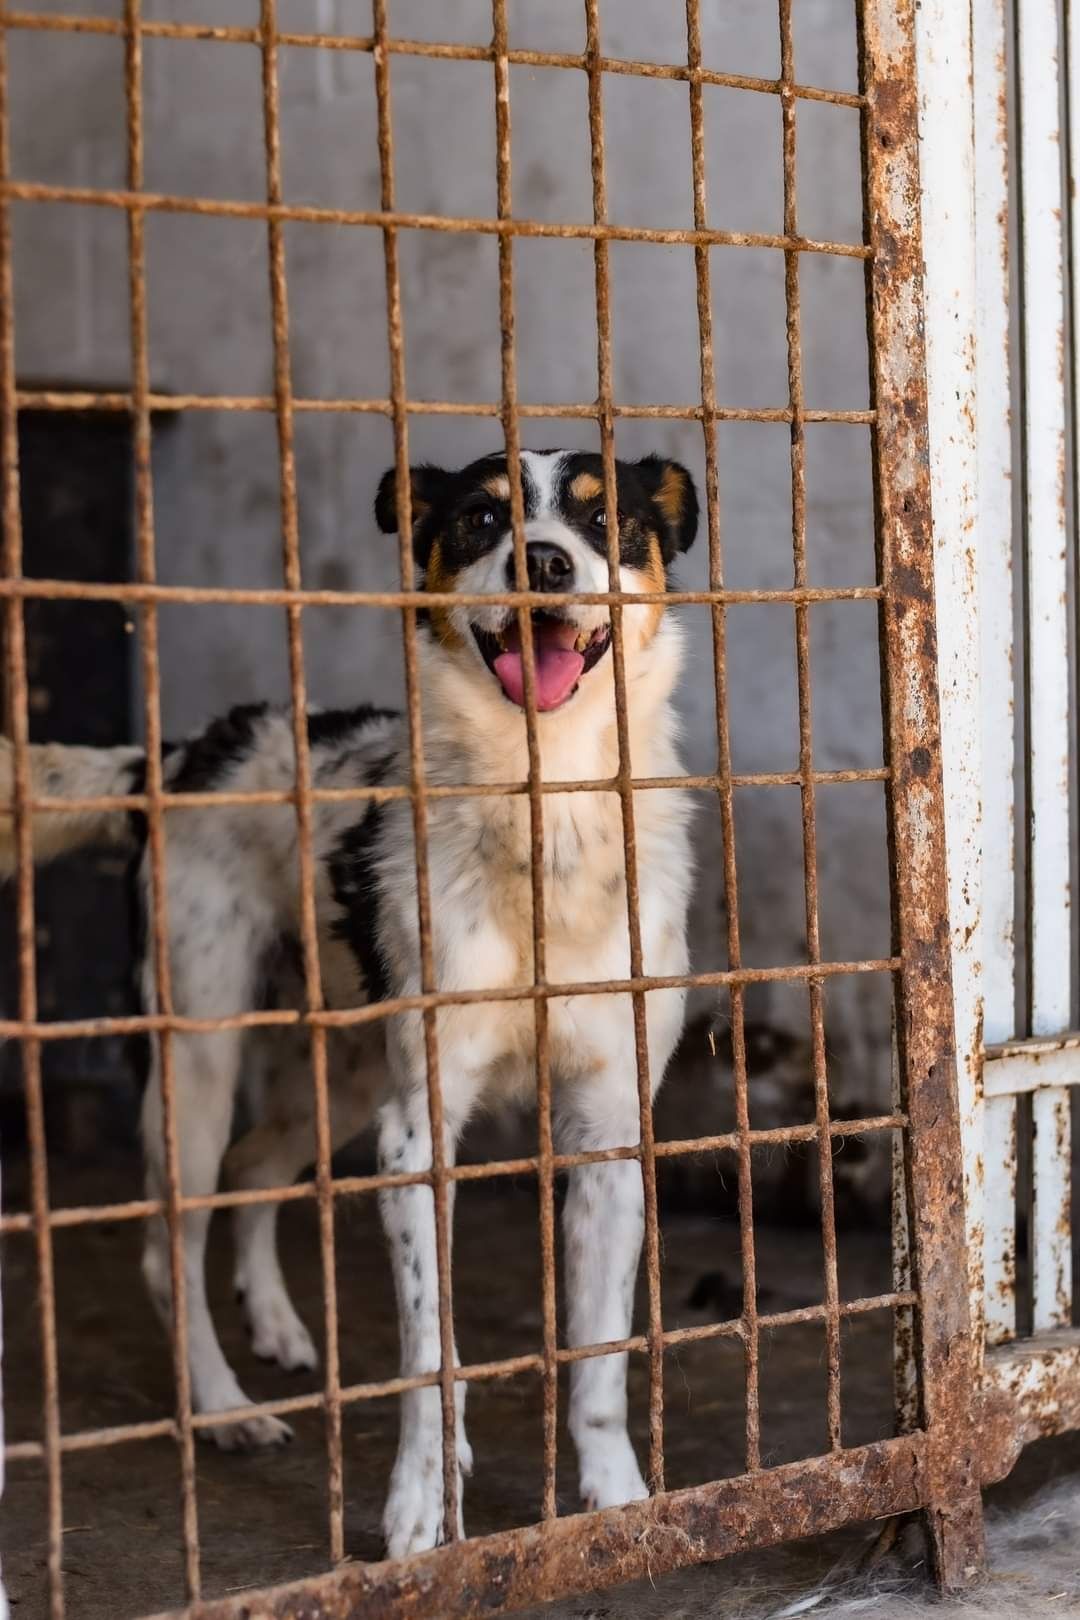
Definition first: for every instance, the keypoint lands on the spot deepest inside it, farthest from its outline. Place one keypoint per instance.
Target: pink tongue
(558, 669)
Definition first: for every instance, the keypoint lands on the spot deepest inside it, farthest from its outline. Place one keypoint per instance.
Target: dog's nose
(550, 568)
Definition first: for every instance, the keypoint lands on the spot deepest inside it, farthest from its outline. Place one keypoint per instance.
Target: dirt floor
(263, 1518)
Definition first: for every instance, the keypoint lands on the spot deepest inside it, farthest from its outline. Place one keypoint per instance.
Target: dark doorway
(77, 518)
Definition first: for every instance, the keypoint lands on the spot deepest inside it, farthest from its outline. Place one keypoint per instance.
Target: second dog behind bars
(233, 916)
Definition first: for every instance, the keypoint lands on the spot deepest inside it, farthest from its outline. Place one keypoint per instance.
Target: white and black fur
(232, 904)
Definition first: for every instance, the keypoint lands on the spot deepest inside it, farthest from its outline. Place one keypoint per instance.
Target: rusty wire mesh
(904, 599)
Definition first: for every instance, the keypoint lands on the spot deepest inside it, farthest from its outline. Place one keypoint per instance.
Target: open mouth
(563, 653)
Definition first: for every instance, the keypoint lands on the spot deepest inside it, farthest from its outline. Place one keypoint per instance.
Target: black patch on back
(334, 726)
(352, 877)
(225, 740)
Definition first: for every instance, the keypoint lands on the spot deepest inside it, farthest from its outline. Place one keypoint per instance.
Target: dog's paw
(249, 1434)
(610, 1475)
(413, 1518)
(277, 1333)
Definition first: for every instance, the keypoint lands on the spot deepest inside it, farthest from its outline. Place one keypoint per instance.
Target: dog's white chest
(583, 881)
(485, 939)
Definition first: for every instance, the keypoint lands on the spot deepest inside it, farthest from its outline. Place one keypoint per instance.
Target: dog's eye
(599, 518)
(481, 517)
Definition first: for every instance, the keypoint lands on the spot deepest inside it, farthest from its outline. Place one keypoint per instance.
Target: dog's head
(462, 542)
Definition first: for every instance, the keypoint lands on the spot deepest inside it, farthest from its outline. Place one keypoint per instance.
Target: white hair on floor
(1033, 1553)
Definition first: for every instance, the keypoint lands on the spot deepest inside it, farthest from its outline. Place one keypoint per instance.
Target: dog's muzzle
(549, 567)
(562, 653)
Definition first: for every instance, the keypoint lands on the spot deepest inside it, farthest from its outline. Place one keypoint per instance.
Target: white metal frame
(979, 168)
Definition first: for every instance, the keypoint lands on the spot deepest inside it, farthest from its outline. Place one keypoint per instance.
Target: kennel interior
(253, 258)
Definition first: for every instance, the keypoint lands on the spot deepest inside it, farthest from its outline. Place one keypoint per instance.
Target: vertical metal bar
(512, 435)
(24, 900)
(718, 615)
(146, 569)
(417, 783)
(806, 732)
(606, 419)
(1046, 642)
(946, 1356)
(309, 934)
(993, 1286)
(946, 128)
(24, 871)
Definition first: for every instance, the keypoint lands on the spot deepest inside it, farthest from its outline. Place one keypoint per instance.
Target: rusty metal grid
(932, 1467)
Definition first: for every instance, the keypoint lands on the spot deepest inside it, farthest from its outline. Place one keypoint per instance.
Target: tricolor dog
(232, 906)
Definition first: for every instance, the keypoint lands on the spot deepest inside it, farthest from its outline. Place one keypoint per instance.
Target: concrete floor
(263, 1519)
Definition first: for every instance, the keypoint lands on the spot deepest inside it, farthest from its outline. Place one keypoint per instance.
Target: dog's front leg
(413, 1518)
(603, 1220)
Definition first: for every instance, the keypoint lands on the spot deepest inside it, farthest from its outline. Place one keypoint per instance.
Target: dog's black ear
(427, 483)
(671, 490)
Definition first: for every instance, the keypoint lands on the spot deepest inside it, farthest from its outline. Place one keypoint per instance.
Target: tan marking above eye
(498, 486)
(586, 486)
(671, 496)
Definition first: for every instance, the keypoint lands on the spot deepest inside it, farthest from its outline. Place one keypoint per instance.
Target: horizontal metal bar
(1044, 1045)
(63, 399)
(1032, 1387)
(519, 1568)
(344, 1018)
(1031, 1067)
(151, 202)
(46, 23)
(198, 595)
(474, 1373)
(384, 794)
(350, 1186)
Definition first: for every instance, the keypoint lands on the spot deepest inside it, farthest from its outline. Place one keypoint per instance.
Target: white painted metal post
(943, 39)
(994, 1284)
(1047, 666)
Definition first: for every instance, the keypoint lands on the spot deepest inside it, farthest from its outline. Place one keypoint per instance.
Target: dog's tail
(58, 771)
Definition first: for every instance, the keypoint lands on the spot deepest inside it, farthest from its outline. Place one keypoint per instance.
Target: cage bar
(309, 934)
(725, 802)
(17, 719)
(146, 569)
(601, 261)
(159, 202)
(512, 437)
(58, 23)
(806, 730)
(403, 492)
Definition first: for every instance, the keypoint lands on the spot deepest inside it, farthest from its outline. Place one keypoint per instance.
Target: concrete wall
(216, 474)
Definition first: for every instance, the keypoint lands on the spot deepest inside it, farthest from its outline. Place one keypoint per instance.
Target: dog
(232, 897)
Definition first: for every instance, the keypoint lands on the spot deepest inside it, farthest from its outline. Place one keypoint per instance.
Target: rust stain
(583, 1552)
